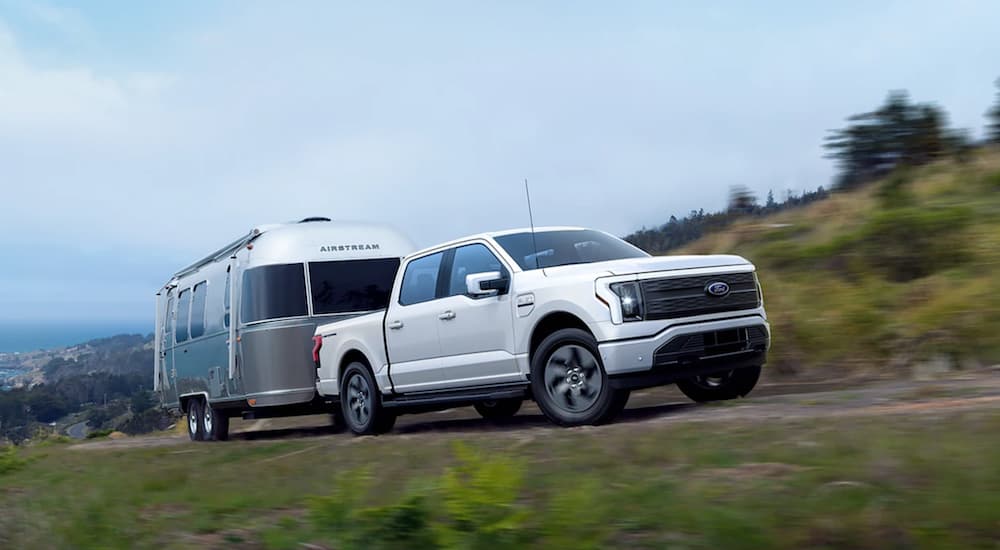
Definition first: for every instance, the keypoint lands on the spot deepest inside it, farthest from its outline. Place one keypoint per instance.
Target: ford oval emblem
(717, 288)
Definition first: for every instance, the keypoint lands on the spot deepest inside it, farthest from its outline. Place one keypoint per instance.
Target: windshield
(571, 246)
(350, 286)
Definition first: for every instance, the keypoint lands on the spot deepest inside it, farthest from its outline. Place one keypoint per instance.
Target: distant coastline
(22, 337)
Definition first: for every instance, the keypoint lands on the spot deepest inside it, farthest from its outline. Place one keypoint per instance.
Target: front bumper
(687, 350)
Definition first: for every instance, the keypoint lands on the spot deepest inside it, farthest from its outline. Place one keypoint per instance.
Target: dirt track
(979, 390)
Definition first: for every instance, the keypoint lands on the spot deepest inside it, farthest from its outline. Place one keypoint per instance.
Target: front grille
(686, 296)
(693, 347)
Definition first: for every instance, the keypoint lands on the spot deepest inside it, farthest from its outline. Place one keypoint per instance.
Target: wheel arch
(351, 356)
(550, 323)
(185, 400)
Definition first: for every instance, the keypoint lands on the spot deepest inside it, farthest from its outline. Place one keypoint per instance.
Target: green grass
(889, 481)
(900, 271)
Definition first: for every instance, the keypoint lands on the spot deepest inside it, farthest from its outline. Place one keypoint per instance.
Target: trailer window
(183, 314)
(226, 299)
(351, 285)
(198, 310)
(273, 292)
(168, 327)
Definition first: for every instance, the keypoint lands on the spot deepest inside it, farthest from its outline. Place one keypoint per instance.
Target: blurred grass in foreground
(890, 481)
(901, 271)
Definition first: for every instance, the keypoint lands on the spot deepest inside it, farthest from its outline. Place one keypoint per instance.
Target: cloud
(431, 118)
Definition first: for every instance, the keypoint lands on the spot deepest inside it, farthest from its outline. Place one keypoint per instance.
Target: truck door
(167, 372)
(411, 327)
(476, 333)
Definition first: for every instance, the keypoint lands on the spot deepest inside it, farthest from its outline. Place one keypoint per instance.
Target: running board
(459, 396)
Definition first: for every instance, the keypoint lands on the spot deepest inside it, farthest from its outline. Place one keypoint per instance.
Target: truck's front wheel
(362, 403)
(569, 382)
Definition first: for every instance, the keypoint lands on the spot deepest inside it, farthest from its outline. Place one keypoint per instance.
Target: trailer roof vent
(315, 219)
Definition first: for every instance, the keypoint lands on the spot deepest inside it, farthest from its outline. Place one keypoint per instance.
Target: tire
(337, 421)
(617, 406)
(361, 402)
(196, 430)
(498, 410)
(721, 386)
(215, 423)
(569, 382)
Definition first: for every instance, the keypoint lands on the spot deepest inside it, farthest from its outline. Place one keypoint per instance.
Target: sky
(135, 137)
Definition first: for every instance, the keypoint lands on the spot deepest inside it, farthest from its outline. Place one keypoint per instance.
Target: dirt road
(773, 402)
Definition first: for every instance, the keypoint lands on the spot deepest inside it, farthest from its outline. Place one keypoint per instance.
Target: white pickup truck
(572, 318)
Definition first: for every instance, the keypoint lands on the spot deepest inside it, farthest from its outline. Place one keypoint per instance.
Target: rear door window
(420, 281)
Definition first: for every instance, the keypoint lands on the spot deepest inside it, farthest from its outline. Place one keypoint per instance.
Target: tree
(770, 204)
(993, 127)
(741, 199)
(899, 133)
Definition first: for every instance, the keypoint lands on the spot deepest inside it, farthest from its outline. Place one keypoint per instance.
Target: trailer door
(168, 386)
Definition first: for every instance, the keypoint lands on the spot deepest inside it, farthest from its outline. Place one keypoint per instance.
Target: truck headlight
(630, 297)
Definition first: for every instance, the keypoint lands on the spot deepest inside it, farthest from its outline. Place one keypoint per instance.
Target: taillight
(317, 345)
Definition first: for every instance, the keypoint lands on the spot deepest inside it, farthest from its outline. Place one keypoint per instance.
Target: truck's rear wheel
(499, 409)
(361, 402)
(569, 382)
(720, 386)
(195, 426)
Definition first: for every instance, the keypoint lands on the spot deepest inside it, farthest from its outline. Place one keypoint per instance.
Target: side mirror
(490, 283)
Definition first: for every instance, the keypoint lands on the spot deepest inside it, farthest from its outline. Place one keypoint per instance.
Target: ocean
(25, 336)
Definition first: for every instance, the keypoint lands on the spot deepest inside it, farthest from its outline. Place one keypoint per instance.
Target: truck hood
(631, 266)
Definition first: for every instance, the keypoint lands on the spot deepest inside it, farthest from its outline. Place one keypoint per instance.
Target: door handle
(395, 325)
(447, 316)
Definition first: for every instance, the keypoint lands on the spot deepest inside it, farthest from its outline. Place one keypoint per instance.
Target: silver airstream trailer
(234, 330)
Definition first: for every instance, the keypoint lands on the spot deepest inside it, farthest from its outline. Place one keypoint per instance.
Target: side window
(420, 280)
(183, 314)
(226, 299)
(469, 259)
(273, 292)
(198, 309)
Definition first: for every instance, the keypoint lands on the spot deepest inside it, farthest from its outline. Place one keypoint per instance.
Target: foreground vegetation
(890, 481)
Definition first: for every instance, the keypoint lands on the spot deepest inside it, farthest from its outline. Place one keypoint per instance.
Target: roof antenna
(531, 220)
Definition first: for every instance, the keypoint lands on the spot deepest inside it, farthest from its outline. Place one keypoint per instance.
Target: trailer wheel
(195, 428)
(361, 402)
(215, 423)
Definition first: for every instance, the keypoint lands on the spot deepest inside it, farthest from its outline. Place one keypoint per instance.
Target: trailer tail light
(317, 345)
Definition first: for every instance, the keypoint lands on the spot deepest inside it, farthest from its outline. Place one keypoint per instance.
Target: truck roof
(494, 234)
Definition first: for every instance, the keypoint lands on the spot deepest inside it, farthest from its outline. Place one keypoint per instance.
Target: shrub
(471, 505)
(99, 433)
(480, 501)
(9, 460)
(912, 242)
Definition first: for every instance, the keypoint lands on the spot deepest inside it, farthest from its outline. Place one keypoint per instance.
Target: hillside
(121, 354)
(106, 380)
(897, 274)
